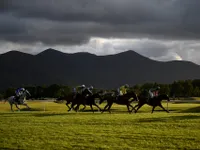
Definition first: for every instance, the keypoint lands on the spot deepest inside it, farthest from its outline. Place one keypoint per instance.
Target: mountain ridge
(108, 71)
(128, 52)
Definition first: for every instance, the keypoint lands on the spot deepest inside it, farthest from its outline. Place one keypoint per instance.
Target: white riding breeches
(151, 94)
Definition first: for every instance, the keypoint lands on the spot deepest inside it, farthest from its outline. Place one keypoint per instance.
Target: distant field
(196, 98)
(55, 128)
(188, 98)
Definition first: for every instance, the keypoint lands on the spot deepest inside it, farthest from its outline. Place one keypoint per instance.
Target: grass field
(55, 128)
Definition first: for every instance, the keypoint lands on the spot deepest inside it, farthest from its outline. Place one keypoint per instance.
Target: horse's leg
(11, 107)
(133, 108)
(110, 107)
(97, 106)
(104, 108)
(17, 107)
(77, 107)
(153, 109)
(107, 105)
(91, 108)
(84, 106)
(163, 108)
(27, 106)
(139, 106)
(72, 106)
(67, 104)
(128, 108)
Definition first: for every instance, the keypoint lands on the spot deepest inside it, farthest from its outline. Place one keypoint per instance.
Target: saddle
(120, 97)
(149, 99)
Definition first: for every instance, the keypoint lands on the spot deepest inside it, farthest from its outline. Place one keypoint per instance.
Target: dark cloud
(75, 21)
(3, 5)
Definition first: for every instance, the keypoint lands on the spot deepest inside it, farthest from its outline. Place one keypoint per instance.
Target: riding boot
(148, 99)
(17, 99)
(117, 97)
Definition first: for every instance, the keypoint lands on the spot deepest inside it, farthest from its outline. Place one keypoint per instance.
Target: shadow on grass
(48, 114)
(89, 110)
(191, 110)
(5, 148)
(51, 114)
(157, 110)
(31, 109)
(148, 120)
(182, 102)
(166, 119)
(185, 117)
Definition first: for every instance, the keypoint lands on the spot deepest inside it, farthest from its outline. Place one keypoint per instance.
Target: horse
(155, 101)
(77, 99)
(85, 98)
(21, 101)
(68, 98)
(89, 100)
(126, 99)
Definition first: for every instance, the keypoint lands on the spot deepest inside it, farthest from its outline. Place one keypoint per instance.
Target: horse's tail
(9, 99)
(6, 99)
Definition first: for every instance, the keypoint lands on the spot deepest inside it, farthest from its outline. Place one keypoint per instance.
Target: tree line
(180, 88)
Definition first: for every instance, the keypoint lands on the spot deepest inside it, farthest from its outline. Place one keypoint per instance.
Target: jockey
(90, 89)
(78, 90)
(154, 92)
(18, 93)
(123, 89)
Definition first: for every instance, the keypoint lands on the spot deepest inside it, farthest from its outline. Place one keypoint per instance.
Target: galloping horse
(80, 98)
(21, 101)
(89, 100)
(155, 101)
(126, 99)
(68, 98)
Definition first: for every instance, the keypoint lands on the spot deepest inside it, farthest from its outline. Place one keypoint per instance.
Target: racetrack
(55, 128)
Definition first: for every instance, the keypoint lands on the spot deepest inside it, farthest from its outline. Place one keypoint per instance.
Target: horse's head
(25, 94)
(133, 95)
(107, 96)
(164, 97)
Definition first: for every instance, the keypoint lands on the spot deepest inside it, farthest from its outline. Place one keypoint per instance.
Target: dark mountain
(51, 66)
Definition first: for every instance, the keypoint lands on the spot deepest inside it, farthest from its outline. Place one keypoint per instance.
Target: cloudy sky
(159, 29)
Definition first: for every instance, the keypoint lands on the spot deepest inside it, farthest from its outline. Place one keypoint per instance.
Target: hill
(52, 66)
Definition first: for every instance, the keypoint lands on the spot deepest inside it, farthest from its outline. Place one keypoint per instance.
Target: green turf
(55, 128)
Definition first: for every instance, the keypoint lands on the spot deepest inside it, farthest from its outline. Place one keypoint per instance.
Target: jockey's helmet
(91, 87)
(22, 89)
(126, 86)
